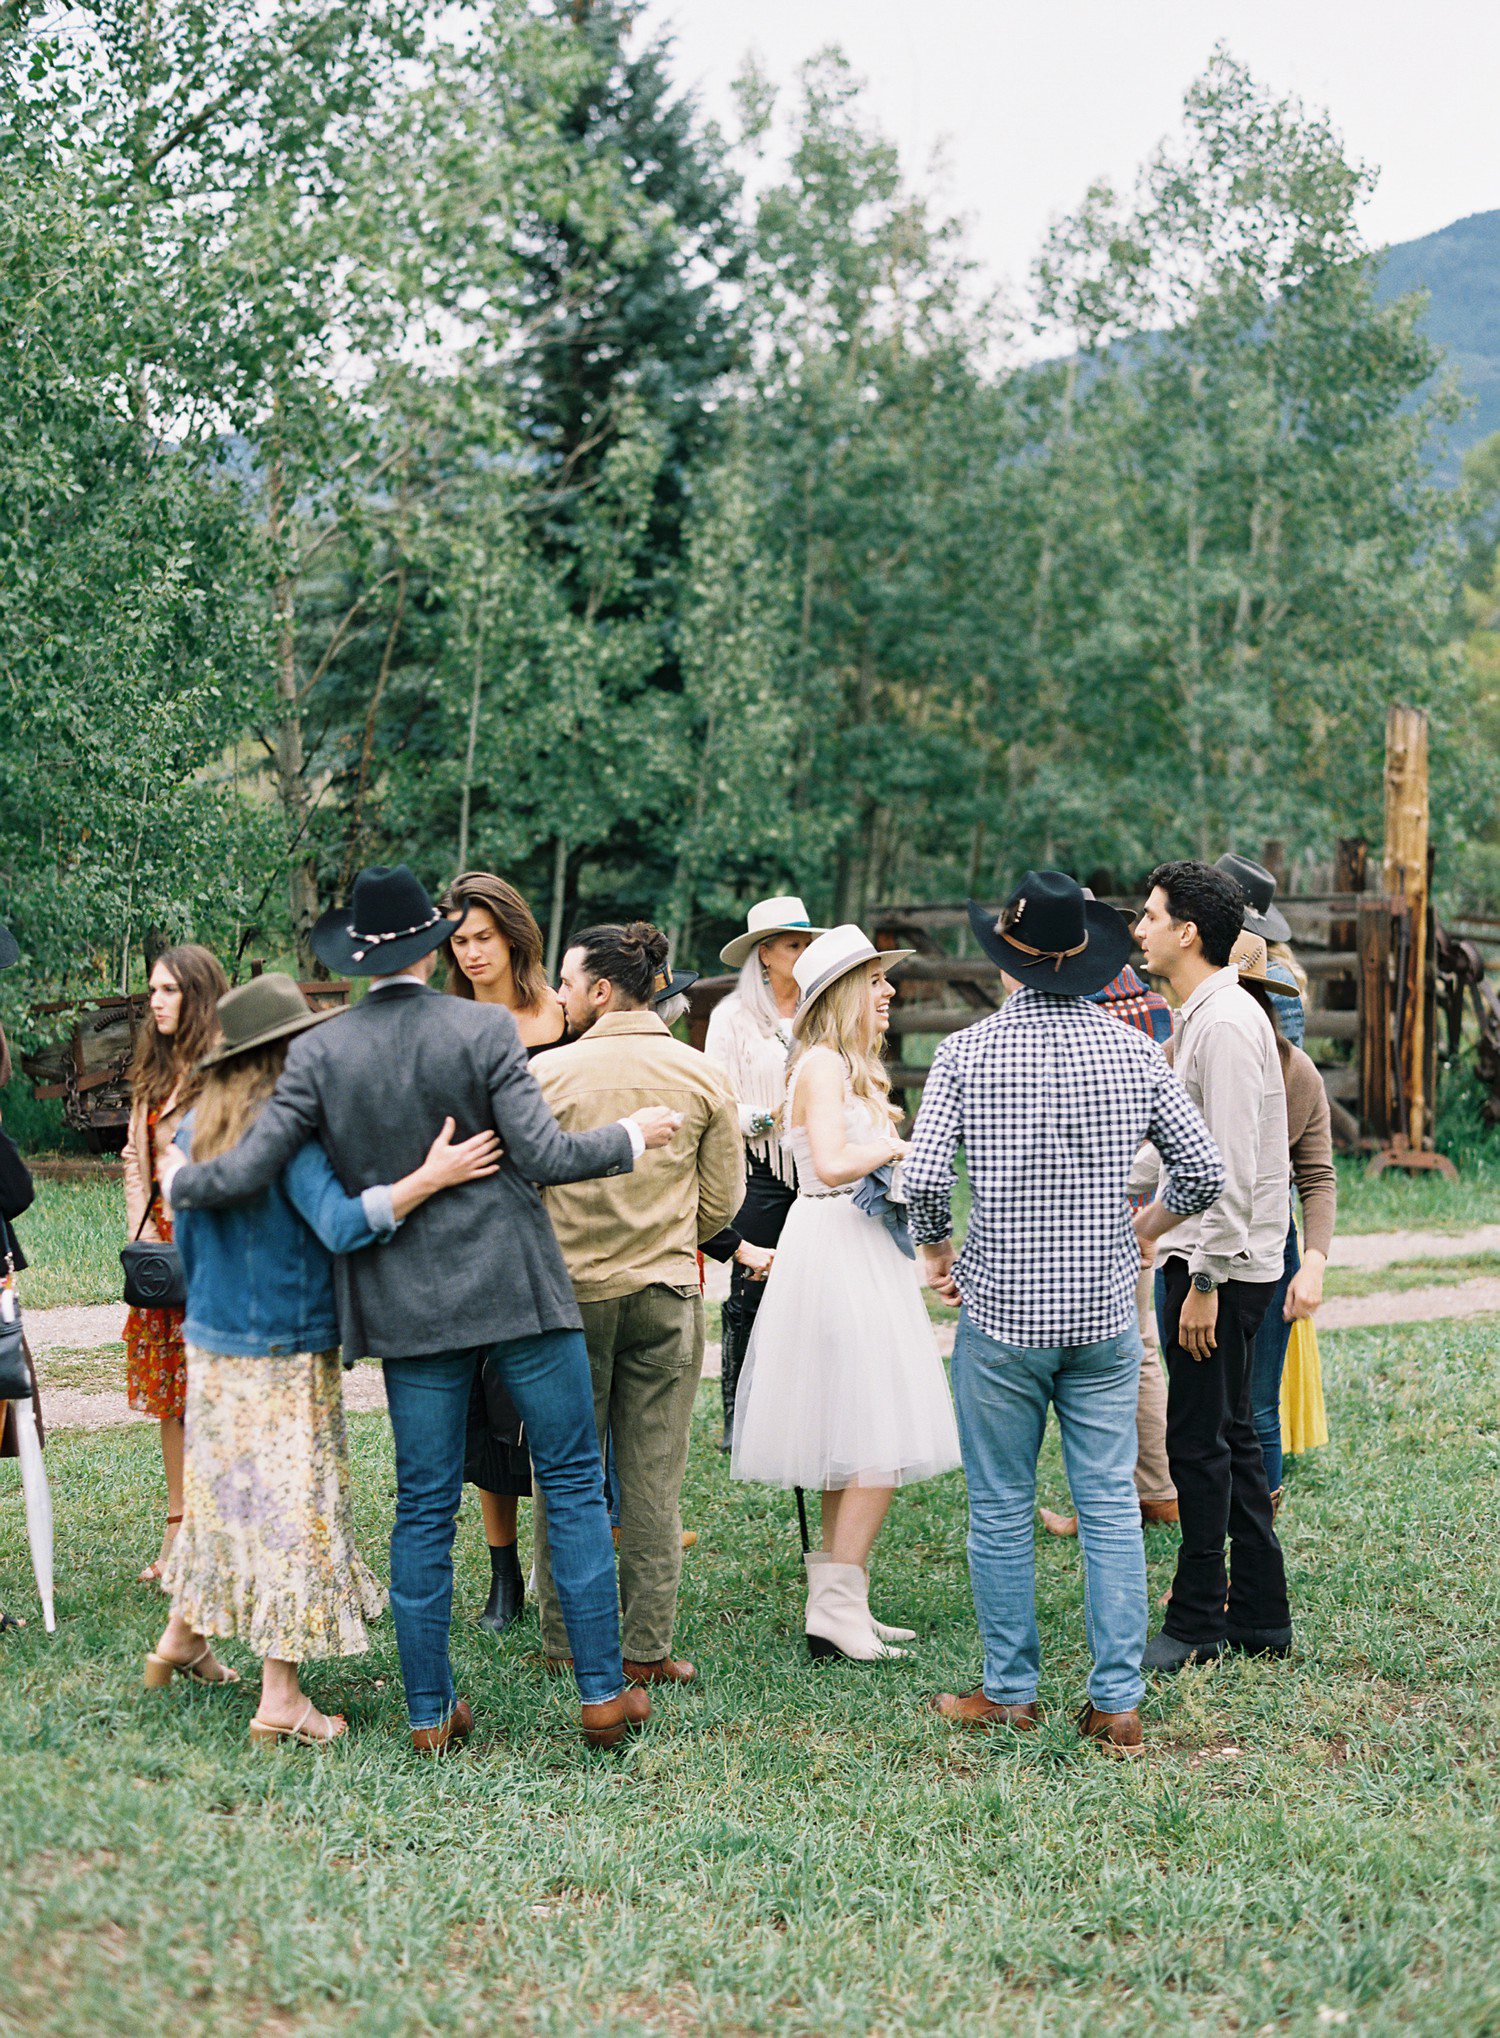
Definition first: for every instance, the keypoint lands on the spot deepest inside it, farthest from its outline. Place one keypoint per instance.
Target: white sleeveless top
(859, 1125)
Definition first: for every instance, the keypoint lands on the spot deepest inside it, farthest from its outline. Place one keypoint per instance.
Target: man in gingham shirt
(1051, 1099)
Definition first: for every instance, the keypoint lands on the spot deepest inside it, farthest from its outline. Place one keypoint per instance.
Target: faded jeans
(548, 1379)
(1001, 1393)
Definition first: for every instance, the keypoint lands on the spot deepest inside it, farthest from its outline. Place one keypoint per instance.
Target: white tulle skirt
(842, 1384)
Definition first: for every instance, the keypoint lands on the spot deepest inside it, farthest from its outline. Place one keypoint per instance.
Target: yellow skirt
(1304, 1420)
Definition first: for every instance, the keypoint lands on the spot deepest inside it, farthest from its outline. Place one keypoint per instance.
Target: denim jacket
(260, 1273)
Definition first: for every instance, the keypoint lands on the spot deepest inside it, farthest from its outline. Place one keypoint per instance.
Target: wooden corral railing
(1355, 947)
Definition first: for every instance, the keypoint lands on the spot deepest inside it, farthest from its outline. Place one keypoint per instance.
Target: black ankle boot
(507, 1599)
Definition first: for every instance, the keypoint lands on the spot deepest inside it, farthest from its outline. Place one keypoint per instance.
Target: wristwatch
(1204, 1284)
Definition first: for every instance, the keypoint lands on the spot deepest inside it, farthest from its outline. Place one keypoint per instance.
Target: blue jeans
(1001, 1393)
(1267, 1361)
(548, 1379)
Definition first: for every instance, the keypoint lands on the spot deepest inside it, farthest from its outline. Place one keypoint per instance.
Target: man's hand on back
(657, 1124)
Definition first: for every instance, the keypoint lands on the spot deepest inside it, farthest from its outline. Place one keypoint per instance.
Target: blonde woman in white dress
(843, 1391)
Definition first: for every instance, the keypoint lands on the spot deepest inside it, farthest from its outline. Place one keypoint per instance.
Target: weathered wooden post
(1407, 877)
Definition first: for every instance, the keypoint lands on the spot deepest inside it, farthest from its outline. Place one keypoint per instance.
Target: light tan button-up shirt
(1225, 1053)
(622, 1233)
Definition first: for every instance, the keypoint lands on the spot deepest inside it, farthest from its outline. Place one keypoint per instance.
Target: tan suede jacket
(622, 1233)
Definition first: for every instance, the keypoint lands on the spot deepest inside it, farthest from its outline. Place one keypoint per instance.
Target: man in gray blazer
(473, 1274)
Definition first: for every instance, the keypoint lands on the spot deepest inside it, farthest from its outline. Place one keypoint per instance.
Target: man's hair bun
(630, 957)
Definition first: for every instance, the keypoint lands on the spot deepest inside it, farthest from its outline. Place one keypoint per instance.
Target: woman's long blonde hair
(231, 1098)
(841, 1019)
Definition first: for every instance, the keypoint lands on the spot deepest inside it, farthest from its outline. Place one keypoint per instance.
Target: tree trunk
(354, 839)
(289, 753)
(559, 903)
(466, 789)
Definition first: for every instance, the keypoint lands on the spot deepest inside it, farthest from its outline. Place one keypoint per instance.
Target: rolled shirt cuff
(380, 1212)
(929, 1213)
(637, 1139)
(1218, 1270)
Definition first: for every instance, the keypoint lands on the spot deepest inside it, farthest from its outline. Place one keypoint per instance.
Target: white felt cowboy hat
(771, 916)
(834, 955)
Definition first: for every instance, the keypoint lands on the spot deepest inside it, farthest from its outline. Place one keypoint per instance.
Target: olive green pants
(646, 1356)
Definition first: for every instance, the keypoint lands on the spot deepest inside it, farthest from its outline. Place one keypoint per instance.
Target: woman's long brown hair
(167, 1062)
(230, 1097)
(516, 922)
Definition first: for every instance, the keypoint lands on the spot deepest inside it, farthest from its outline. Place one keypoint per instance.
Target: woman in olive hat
(266, 1549)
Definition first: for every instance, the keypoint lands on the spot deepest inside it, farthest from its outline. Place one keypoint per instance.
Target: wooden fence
(1355, 946)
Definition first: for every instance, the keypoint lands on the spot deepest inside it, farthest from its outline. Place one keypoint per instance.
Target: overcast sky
(1029, 104)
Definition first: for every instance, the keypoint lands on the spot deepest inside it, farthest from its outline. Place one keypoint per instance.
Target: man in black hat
(1050, 1099)
(474, 1275)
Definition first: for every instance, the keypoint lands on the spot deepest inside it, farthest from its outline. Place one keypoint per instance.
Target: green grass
(1396, 1201)
(72, 1236)
(1310, 1845)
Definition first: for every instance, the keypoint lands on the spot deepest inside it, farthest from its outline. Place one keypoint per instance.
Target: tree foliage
(422, 434)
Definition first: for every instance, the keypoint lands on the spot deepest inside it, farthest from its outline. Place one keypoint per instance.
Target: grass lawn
(72, 1236)
(1427, 1202)
(1310, 1846)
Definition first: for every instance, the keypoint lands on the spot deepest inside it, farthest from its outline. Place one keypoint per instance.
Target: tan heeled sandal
(265, 1735)
(160, 1670)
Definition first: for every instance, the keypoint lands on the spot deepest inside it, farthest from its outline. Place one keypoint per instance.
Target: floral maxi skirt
(266, 1549)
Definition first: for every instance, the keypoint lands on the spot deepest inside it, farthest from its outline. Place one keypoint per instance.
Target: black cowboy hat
(10, 955)
(388, 924)
(1259, 887)
(672, 983)
(1052, 937)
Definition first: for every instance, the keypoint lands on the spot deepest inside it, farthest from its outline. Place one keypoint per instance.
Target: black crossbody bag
(154, 1278)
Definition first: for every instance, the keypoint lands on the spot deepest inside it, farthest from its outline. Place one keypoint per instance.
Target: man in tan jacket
(632, 1251)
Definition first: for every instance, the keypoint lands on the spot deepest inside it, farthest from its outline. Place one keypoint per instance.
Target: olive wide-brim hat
(252, 1015)
(1051, 936)
(10, 954)
(388, 924)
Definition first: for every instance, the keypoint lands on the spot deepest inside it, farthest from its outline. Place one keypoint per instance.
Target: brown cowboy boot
(973, 1709)
(1118, 1733)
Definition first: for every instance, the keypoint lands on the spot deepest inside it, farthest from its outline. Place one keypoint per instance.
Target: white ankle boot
(838, 1612)
(888, 1634)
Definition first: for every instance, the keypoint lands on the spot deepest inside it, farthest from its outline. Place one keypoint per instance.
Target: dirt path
(1388, 1248)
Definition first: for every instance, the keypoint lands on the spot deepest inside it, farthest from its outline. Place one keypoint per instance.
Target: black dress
(495, 1455)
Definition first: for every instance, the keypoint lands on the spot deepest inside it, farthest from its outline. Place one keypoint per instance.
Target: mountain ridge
(1458, 266)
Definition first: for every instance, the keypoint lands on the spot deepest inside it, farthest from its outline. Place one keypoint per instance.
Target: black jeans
(760, 1219)
(1221, 1477)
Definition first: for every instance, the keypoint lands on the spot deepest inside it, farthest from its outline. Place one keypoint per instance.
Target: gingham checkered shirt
(1051, 1099)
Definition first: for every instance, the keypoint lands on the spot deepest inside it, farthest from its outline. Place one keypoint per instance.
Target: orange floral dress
(155, 1356)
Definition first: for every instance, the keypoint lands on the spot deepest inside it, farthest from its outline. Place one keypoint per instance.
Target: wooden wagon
(86, 1061)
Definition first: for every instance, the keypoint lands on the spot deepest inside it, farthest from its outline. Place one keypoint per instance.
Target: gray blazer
(472, 1266)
